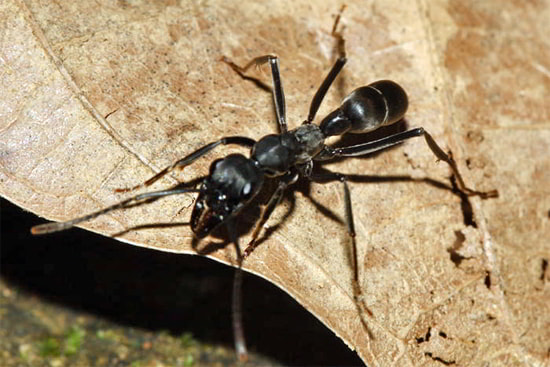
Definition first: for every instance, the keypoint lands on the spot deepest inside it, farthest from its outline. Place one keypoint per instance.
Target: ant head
(231, 184)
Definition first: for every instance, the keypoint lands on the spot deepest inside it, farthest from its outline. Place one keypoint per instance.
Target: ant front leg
(388, 141)
(236, 298)
(357, 292)
(275, 199)
(133, 201)
(278, 93)
(190, 158)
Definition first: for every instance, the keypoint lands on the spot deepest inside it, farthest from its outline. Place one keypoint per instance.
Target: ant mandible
(234, 181)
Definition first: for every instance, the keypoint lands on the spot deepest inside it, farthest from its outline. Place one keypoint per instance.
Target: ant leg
(278, 93)
(336, 68)
(237, 315)
(388, 141)
(136, 200)
(273, 202)
(440, 154)
(357, 292)
(236, 298)
(369, 147)
(187, 160)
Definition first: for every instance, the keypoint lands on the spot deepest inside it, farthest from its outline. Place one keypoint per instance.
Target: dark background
(153, 290)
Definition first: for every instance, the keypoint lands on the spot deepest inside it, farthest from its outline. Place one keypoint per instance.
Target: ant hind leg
(388, 141)
(333, 73)
(357, 291)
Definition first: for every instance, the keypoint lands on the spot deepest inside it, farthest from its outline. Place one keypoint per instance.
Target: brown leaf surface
(98, 96)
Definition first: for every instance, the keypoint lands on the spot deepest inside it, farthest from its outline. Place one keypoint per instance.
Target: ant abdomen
(367, 108)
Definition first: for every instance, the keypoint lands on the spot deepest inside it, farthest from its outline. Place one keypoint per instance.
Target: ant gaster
(234, 181)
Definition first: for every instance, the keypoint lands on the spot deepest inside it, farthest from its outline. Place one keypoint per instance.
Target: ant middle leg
(278, 93)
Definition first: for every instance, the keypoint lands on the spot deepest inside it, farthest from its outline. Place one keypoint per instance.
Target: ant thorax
(276, 153)
(311, 141)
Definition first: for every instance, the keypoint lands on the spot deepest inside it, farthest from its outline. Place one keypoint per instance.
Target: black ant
(234, 181)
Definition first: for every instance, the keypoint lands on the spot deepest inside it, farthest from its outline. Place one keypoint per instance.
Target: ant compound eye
(247, 189)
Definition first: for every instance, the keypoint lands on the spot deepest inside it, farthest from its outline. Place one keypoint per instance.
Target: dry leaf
(100, 96)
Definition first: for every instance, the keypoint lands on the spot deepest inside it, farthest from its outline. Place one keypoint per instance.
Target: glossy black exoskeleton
(234, 181)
